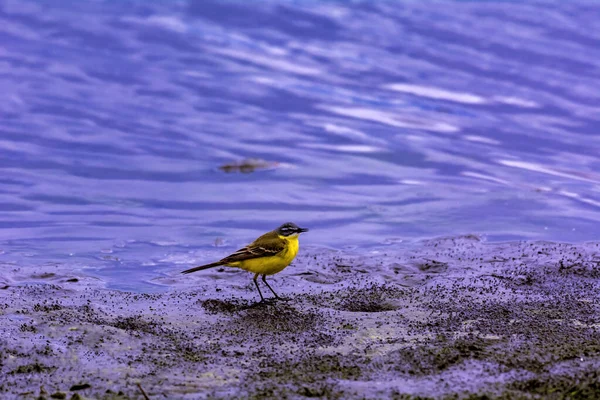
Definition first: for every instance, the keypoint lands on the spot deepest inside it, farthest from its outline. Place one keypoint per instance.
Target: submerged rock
(249, 165)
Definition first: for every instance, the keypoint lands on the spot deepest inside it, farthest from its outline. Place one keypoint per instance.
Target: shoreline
(451, 317)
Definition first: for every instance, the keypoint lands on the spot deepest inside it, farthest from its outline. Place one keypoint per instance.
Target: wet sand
(447, 318)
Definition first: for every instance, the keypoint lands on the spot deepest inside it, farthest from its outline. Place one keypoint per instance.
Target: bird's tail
(201, 267)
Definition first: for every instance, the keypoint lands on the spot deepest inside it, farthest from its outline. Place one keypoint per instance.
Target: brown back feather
(270, 244)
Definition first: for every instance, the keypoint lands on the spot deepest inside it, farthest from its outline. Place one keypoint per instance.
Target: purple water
(390, 121)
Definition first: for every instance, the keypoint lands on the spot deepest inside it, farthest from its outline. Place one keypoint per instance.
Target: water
(382, 123)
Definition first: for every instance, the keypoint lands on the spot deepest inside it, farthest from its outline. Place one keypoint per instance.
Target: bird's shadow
(272, 315)
(234, 305)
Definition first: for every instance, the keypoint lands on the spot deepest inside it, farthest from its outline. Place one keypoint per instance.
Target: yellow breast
(273, 264)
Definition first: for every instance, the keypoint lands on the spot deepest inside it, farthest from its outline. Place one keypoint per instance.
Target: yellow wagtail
(267, 255)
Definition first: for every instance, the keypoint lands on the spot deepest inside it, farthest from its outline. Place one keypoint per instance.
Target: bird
(267, 255)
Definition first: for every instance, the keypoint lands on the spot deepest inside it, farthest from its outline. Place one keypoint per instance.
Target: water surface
(386, 122)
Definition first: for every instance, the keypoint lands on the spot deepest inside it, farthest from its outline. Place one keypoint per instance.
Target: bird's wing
(264, 246)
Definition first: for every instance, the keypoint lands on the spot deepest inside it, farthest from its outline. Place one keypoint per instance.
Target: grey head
(289, 229)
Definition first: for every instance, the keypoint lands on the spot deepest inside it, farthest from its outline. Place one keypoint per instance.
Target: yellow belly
(272, 264)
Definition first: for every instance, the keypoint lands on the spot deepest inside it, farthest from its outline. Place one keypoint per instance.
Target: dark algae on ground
(449, 318)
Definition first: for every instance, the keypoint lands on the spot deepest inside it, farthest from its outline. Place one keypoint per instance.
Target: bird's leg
(264, 279)
(257, 288)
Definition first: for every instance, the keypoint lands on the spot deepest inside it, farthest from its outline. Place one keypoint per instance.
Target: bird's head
(290, 229)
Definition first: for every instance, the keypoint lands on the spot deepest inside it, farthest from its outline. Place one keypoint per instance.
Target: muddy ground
(448, 318)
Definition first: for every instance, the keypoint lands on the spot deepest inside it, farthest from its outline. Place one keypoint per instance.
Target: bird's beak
(300, 230)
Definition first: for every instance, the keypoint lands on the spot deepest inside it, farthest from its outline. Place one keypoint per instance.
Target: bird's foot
(264, 302)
